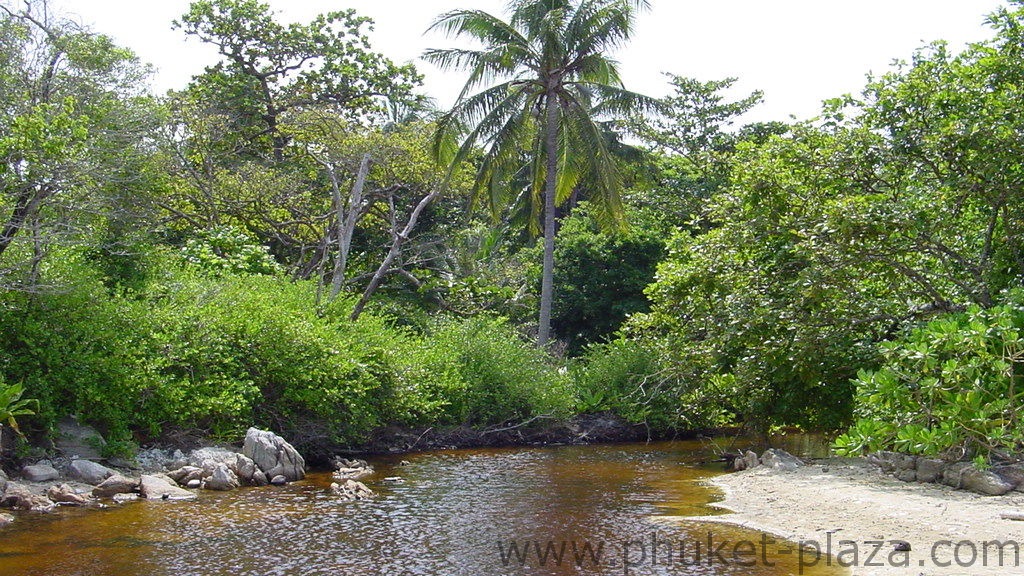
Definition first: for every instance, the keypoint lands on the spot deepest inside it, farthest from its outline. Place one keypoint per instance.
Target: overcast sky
(799, 52)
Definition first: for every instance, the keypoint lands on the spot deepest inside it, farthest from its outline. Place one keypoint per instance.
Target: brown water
(456, 513)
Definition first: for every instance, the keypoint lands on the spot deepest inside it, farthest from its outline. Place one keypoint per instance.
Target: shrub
(953, 385)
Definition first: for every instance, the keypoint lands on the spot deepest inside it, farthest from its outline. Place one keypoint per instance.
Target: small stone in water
(279, 480)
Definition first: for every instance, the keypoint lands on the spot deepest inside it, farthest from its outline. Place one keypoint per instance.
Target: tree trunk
(346, 220)
(547, 285)
(396, 247)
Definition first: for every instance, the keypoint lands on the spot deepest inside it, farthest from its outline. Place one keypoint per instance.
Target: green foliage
(227, 249)
(953, 385)
(600, 276)
(500, 377)
(13, 405)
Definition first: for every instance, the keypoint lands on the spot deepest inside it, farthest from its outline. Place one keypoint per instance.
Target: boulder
(906, 475)
(116, 484)
(351, 490)
(187, 474)
(5, 520)
(64, 494)
(78, 440)
(19, 497)
(273, 455)
(780, 460)
(985, 482)
(89, 472)
(930, 469)
(221, 479)
(751, 459)
(158, 487)
(953, 474)
(739, 464)
(40, 473)
(1011, 474)
(3, 481)
(241, 466)
(194, 483)
(278, 480)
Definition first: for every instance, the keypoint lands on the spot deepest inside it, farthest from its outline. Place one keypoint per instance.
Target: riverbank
(849, 500)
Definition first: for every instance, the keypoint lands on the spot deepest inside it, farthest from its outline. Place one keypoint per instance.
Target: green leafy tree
(539, 121)
(270, 69)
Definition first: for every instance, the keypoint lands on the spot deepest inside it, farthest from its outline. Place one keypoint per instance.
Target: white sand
(856, 502)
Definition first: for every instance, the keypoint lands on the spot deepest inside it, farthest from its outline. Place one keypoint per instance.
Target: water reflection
(474, 512)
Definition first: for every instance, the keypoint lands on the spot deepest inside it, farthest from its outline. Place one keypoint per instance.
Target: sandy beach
(853, 509)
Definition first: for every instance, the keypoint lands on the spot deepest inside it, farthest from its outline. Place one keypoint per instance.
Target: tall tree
(550, 83)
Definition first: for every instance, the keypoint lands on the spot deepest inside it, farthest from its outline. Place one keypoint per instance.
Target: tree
(554, 81)
(74, 155)
(270, 69)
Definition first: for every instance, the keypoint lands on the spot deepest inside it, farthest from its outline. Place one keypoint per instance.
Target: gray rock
(953, 475)
(116, 484)
(780, 460)
(19, 497)
(352, 490)
(158, 487)
(260, 479)
(985, 482)
(89, 472)
(738, 464)
(64, 494)
(221, 479)
(273, 455)
(40, 473)
(751, 459)
(3, 481)
(6, 520)
(906, 475)
(243, 468)
(891, 462)
(930, 469)
(186, 474)
(194, 483)
(1011, 474)
(278, 480)
(78, 440)
(125, 497)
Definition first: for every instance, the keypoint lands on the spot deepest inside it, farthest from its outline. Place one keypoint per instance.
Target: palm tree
(551, 83)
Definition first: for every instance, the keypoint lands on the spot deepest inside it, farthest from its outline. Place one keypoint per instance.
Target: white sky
(799, 52)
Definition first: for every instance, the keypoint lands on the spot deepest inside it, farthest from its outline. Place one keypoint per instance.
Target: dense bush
(950, 387)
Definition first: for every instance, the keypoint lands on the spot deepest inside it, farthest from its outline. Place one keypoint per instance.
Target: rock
(187, 474)
(64, 494)
(6, 520)
(125, 497)
(352, 490)
(260, 479)
(353, 473)
(906, 475)
(751, 459)
(930, 469)
(901, 546)
(241, 466)
(1011, 474)
(221, 479)
(89, 472)
(3, 481)
(278, 480)
(157, 487)
(19, 497)
(194, 483)
(780, 460)
(739, 464)
(273, 455)
(116, 484)
(40, 473)
(953, 474)
(156, 459)
(985, 482)
(78, 440)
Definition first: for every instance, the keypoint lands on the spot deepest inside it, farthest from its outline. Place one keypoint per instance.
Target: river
(618, 509)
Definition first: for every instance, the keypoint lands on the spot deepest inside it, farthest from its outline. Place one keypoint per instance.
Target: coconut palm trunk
(547, 284)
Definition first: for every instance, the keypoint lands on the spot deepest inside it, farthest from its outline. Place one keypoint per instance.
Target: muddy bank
(854, 507)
